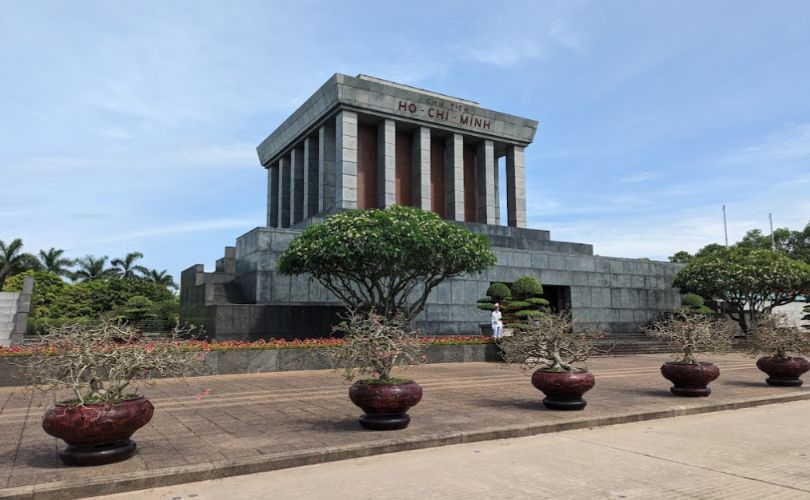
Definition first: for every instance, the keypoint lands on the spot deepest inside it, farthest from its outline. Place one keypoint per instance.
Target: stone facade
(361, 142)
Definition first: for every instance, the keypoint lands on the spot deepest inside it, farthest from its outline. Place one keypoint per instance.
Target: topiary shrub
(692, 300)
(497, 292)
(526, 287)
(138, 308)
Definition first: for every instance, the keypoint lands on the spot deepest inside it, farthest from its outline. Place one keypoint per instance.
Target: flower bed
(238, 345)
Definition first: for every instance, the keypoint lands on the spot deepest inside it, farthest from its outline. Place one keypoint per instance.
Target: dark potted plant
(549, 344)
(100, 366)
(774, 335)
(691, 333)
(372, 347)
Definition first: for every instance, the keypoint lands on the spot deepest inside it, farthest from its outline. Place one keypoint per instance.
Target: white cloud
(183, 228)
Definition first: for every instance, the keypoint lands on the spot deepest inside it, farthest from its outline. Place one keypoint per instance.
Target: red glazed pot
(385, 404)
(784, 372)
(690, 380)
(563, 390)
(97, 433)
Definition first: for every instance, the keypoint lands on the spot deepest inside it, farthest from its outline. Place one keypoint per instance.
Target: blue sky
(133, 125)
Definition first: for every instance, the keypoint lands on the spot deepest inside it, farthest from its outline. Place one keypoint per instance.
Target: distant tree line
(751, 277)
(87, 288)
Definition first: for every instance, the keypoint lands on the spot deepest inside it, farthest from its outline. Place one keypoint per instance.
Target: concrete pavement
(752, 453)
(220, 426)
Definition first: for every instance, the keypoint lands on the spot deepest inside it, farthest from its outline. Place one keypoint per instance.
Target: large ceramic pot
(563, 390)
(385, 404)
(783, 372)
(690, 380)
(97, 433)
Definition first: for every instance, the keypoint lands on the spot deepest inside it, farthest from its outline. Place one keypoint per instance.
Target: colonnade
(376, 163)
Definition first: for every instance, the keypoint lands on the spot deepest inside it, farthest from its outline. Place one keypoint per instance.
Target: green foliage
(514, 305)
(91, 268)
(13, 261)
(528, 313)
(521, 302)
(387, 260)
(692, 300)
(53, 261)
(525, 287)
(498, 292)
(56, 303)
(138, 308)
(758, 280)
(126, 267)
(681, 257)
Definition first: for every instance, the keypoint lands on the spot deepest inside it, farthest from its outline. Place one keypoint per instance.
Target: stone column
(272, 195)
(326, 167)
(515, 186)
(310, 177)
(284, 183)
(454, 177)
(346, 160)
(420, 168)
(297, 185)
(386, 163)
(497, 181)
(486, 170)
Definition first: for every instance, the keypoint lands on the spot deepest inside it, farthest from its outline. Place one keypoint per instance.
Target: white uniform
(497, 324)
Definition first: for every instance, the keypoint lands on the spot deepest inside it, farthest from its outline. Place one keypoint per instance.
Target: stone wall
(613, 294)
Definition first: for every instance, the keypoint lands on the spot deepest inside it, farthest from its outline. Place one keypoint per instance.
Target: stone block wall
(612, 294)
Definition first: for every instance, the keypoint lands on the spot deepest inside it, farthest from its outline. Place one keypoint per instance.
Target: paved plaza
(210, 427)
(748, 454)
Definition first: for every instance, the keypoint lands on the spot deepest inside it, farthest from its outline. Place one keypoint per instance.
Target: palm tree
(126, 267)
(162, 278)
(13, 261)
(92, 268)
(53, 261)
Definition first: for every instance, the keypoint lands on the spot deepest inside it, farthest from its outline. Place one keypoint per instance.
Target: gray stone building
(362, 142)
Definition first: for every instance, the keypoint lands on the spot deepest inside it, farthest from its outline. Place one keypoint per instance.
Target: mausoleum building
(362, 142)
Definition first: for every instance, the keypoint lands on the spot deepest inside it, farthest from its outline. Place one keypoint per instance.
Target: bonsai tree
(774, 335)
(777, 338)
(748, 282)
(388, 260)
(373, 346)
(691, 334)
(549, 342)
(692, 303)
(104, 363)
(518, 302)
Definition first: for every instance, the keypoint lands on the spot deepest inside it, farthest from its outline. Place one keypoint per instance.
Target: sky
(132, 126)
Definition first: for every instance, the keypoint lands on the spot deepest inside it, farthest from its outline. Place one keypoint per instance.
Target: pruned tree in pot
(774, 335)
(690, 334)
(372, 347)
(100, 367)
(549, 345)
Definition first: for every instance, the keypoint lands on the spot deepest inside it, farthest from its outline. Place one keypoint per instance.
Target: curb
(108, 485)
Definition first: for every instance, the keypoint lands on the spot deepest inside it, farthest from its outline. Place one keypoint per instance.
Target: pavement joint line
(283, 460)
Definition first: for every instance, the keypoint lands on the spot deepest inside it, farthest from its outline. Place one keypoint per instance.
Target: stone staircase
(8, 313)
